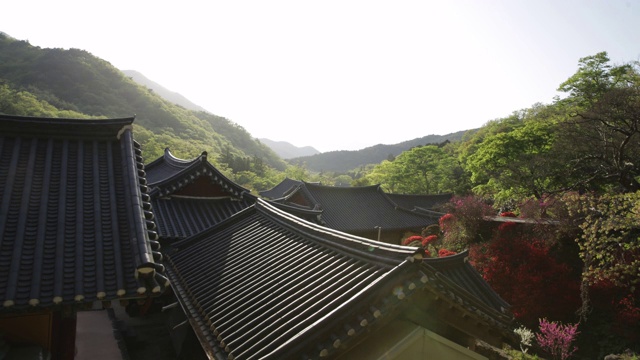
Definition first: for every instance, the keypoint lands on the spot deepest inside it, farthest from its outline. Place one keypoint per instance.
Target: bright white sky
(342, 75)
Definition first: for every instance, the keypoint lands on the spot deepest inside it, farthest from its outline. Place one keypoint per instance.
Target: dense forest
(564, 176)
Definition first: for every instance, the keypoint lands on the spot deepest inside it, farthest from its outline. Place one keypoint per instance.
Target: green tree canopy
(601, 140)
(517, 164)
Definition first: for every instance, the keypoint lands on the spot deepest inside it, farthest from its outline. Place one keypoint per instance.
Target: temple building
(76, 227)
(265, 284)
(365, 211)
(189, 196)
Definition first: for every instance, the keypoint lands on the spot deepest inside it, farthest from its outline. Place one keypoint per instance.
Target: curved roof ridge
(68, 128)
(415, 210)
(343, 188)
(371, 250)
(344, 241)
(190, 169)
(424, 203)
(388, 198)
(302, 188)
(170, 159)
(454, 259)
(295, 207)
(174, 160)
(279, 190)
(46, 120)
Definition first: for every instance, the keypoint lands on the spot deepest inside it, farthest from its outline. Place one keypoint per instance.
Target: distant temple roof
(168, 174)
(419, 203)
(75, 219)
(189, 196)
(282, 189)
(266, 284)
(353, 209)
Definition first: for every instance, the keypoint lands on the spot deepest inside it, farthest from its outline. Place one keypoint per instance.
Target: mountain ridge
(165, 93)
(82, 85)
(312, 158)
(346, 160)
(287, 150)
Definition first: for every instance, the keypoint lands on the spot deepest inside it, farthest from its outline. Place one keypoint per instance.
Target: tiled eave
(181, 217)
(189, 175)
(453, 280)
(347, 321)
(76, 224)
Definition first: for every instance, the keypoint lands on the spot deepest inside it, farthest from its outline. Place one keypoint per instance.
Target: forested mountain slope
(341, 161)
(79, 84)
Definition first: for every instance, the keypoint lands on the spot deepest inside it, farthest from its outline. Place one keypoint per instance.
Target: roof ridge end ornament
(203, 156)
(123, 129)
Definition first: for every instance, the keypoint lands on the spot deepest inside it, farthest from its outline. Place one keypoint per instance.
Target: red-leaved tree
(523, 271)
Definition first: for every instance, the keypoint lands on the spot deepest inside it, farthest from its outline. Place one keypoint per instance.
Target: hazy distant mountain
(165, 93)
(343, 160)
(287, 151)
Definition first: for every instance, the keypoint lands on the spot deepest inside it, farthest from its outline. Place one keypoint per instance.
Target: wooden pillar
(64, 334)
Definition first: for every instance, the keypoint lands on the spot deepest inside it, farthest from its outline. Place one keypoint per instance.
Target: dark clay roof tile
(273, 278)
(72, 226)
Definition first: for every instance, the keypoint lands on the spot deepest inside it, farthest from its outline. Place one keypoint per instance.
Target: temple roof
(168, 174)
(181, 217)
(419, 203)
(75, 219)
(353, 209)
(282, 189)
(454, 275)
(280, 287)
(277, 285)
(189, 196)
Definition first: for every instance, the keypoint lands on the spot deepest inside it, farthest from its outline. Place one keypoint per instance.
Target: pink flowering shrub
(416, 238)
(465, 223)
(446, 221)
(556, 338)
(445, 252)
(428, 243)
(429, 240)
